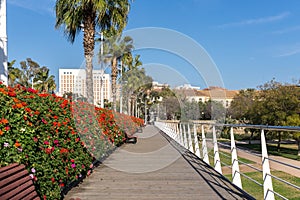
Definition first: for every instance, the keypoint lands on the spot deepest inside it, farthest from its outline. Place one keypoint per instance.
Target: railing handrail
(265, 127)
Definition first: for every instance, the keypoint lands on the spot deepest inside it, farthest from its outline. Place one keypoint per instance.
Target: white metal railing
(186, 135)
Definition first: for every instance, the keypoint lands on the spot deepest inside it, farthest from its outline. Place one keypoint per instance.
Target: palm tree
(110, 16)
(13, 73)
(114, 48)
(44, 82)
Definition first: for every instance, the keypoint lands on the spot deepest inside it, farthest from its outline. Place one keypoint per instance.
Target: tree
(110, 16)
(44, 82)
(114, 48)
(242, 109)
(294, 120)
(13, 73)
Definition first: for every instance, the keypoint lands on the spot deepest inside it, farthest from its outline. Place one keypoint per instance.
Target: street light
(101, 72)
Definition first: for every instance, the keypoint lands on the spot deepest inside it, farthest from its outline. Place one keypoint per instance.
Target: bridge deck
(154, 168)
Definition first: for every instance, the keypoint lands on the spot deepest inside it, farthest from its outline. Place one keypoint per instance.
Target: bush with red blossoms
(56, 139)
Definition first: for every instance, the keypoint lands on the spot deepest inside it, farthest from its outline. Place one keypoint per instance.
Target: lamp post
(121, 95)
(101, 72)
(146, 109)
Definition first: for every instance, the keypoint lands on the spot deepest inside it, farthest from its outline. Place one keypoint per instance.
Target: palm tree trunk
(88, 45)
(114, 73)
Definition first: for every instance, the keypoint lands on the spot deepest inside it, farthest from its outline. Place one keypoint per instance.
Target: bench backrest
(15, 183)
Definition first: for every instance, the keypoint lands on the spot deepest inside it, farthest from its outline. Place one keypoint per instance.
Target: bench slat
(29, 193)
(15, 183)
(13, 178)
(9, 170)
(2, 169)
(18, 185)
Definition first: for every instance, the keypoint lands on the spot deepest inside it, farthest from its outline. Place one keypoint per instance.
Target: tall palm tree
(110, 16)
(114, 48)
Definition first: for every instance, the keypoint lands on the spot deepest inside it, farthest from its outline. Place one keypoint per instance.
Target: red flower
(12, 94)
(32, 90)
(17, 144)
(27, 109)
(53, 179)
(46, 142)
(35, 139)
(44, 121)
(4, 121)
(64, 150)
(43, 95)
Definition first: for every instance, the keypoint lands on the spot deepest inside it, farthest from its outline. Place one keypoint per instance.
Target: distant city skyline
(250, 43)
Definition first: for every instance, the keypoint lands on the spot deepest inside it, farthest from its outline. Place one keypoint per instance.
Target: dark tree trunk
(251, 136)
(114, 74)
(279, 141)
(298, 141)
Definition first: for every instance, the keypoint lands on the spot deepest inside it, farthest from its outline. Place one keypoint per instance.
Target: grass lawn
(279, 187)
(286, 150)
(226, 158)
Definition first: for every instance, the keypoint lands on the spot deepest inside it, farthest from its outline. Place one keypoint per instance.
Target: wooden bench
(130, 139)
(15, 183)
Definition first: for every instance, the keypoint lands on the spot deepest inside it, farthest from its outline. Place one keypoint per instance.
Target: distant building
(74, 81)
(222, 95)
(159, 86)
(187, 86)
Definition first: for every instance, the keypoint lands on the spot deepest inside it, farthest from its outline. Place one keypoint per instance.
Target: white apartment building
(74, 80)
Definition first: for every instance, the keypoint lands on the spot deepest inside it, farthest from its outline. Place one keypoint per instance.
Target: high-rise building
(74, 81)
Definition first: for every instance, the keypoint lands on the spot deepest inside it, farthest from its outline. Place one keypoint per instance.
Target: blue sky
(250, 42)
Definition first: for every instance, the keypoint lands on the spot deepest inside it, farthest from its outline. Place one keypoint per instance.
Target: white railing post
(191, 148)
(217, 161)
(236, 176)
(186, 144)
(204, 147)
(267, 179)
(181, 134)
(174, 132)
(197, 147)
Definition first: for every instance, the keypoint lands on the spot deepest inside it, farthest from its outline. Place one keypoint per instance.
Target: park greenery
(58, 140)
(31, 74)
(274, 104)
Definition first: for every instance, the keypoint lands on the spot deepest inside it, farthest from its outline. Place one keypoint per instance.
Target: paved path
(154, 168)
(256, 157)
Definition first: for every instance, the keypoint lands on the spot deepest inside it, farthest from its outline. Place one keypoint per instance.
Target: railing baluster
(204, 147)
(197, 147)
(236, 177)
(217, 161)
(191, 148)
(186, 144)
(267, 179)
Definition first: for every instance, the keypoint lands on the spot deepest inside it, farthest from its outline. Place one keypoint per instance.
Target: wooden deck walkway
(154, 168)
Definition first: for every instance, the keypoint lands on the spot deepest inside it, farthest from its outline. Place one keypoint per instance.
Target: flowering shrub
(56, 139)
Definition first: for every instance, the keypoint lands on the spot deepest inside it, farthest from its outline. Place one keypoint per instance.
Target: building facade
(3, 43)
(221, 95)
(74, 81)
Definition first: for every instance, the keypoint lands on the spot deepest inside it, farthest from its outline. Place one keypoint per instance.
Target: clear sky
(249, 41)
